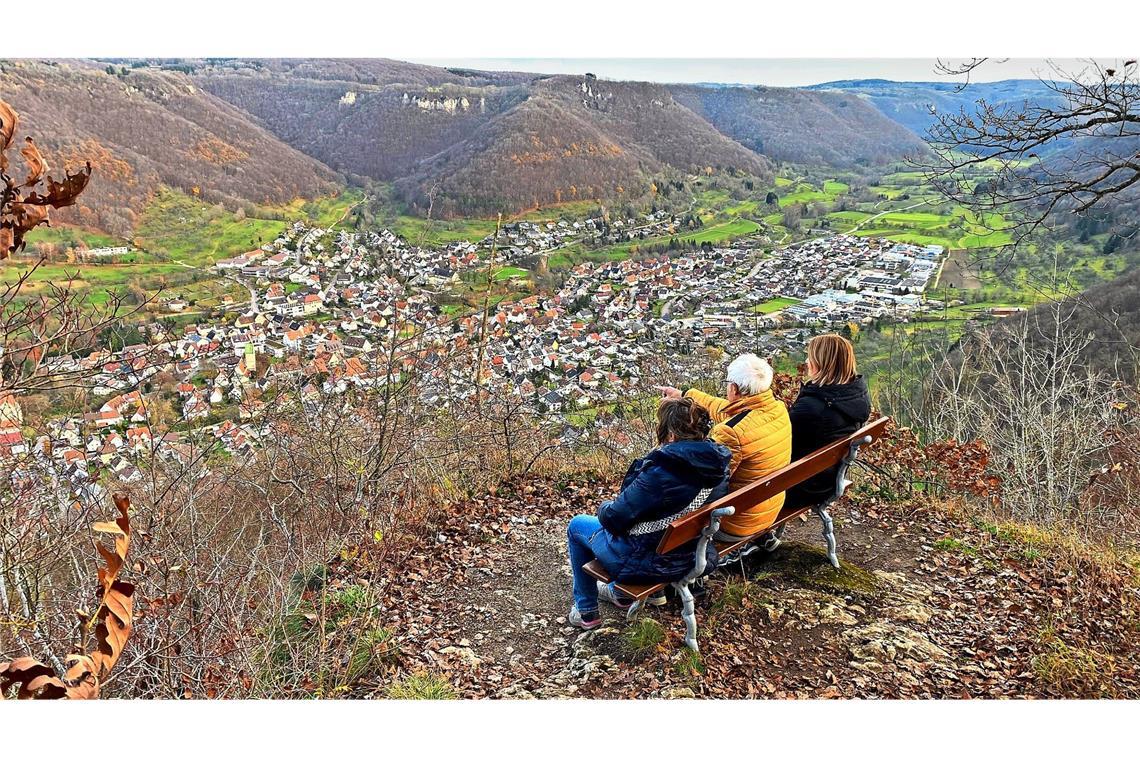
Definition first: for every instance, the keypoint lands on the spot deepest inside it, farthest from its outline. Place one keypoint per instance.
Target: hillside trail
(922, 607)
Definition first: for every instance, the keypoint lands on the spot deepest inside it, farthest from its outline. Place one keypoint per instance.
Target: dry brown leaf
(112, 623)
(8, 122)
(61, 194)
(36, 164)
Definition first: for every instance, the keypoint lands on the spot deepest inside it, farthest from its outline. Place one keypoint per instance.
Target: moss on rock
(806, 565)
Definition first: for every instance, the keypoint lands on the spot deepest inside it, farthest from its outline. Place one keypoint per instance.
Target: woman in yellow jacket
(754, 425)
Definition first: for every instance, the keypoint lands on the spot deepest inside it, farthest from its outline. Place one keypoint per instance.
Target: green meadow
(182, 228)
(773, 305)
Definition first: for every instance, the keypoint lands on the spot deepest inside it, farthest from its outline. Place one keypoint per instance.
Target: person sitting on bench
(754, 425)
(685, 471)
(832, 404)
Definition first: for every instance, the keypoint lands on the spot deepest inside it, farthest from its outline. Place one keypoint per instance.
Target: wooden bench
(703, 523)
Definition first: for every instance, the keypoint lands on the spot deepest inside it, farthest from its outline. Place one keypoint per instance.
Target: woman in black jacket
(832, 404)
(685, 471)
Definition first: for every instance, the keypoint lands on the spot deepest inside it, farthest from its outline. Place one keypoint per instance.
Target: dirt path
(924, 606)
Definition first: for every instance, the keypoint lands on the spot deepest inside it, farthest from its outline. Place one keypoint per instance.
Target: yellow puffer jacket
(760, 443)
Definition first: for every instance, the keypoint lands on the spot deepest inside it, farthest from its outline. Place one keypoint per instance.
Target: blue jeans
(588, 540)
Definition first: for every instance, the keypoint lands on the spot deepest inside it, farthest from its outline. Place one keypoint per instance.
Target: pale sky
(785, 72)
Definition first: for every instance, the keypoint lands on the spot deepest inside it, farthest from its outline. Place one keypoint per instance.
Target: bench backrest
(686, 528)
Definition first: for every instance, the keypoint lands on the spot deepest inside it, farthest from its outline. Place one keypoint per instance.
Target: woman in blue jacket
(685, 471)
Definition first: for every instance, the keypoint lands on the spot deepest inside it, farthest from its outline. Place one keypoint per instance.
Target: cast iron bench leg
(841, 484)
(828, 535)
(688, 609)
(688, 613)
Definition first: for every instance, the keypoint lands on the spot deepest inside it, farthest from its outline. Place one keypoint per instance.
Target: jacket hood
(850, 398)
(707, 460)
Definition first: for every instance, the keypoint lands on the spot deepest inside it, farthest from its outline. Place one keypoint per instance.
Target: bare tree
(1076, 152)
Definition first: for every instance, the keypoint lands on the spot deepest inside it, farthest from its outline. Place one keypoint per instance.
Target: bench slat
(687, 528)
(595, 569)
(684, 529)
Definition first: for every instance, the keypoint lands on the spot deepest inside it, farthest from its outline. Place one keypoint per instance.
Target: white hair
(750, 373)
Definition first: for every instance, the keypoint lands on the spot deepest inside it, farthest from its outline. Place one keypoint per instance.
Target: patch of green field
(724, 231)
(713, 233)
(327, 211)
(804, 193)
(909, 177)
(783, 182)
(905, 236)
(713, 198)
(845, 220)
(70, 237)
(507, 273)
(916, 219)
(774, 304)
(583, 417)
(560, 260)
(554, 212)
(835, 187)
(186, 229)
(434, 232)
(439, 232)
(95, 281)
(743, 208)
(889, 191)
(993, 239)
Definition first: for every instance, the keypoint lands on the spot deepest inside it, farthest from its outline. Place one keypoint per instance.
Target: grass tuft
(1076, 671)
(689, 664)
(954, 545)
(641, 637)
(733, 595)
(422, 685)
(372, 650)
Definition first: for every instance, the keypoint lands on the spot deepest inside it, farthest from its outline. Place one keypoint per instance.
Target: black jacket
(660, 485)
(822, 414)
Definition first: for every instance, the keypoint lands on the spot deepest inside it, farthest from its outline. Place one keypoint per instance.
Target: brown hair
(684, 418)
(834, 359)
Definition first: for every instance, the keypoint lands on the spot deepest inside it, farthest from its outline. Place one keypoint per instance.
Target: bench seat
(641, 591)
(702, 524)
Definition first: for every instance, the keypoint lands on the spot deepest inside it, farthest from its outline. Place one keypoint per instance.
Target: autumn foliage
(25, 204)
(111, 625)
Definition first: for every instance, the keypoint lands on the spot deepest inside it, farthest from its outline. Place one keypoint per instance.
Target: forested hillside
(802, 126)
(915, 104)
(475, 142)
(576, 138)
(459, 141)
(142, 128)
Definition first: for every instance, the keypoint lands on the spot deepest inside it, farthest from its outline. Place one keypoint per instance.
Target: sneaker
(607, 593)
(770, 542)
(657, 600)
(739, 554)
(576, 618)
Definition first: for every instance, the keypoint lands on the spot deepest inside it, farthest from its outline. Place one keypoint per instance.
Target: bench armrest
(710, 530)
(841, 481)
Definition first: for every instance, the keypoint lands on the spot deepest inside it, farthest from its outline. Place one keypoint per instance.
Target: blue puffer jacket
(661, 484)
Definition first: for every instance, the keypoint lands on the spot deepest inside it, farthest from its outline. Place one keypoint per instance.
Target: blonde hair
(834, 359)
